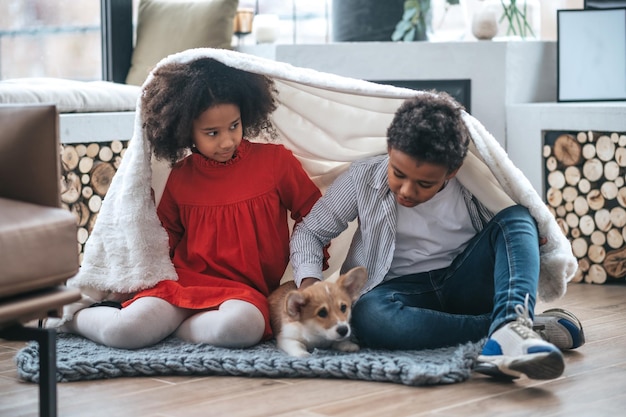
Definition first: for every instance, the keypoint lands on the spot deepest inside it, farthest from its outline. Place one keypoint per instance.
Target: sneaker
(560, 327)
(515, 350)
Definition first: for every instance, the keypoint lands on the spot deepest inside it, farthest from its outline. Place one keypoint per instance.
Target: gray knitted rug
(80, 359)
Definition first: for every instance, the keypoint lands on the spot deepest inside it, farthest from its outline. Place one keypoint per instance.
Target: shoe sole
(549, 365)
(492, 370)
(577, 339)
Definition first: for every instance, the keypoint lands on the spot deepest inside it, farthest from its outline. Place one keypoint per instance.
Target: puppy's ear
(294, 302)
(353, 280)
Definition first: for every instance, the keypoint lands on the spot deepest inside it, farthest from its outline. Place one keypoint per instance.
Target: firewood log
(70, 188)
(101, 177)
(615, 263)
(605, 148)
(593, 169)
(618, 217)
(105, 154)
(596, 254)
(69, 158)
(595, 199)
(567, 150)
(572, 175)
(596, 274)
(82, 213)
(614, 239)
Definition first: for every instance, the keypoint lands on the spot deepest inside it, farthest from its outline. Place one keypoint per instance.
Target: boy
(442, 268)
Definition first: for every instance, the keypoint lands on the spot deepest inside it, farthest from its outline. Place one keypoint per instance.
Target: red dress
(227, 226)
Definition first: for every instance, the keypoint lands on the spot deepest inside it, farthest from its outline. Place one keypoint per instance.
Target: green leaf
(401, 28)
(397, 35)
(408, 14)
(411, 4)
(410, 35)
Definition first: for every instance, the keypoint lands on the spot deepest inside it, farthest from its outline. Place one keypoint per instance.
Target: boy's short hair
(430, 128)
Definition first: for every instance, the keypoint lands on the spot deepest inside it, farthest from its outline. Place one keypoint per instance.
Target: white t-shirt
(430, 235)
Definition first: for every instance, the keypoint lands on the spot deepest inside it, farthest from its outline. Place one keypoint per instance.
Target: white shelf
(95, 127)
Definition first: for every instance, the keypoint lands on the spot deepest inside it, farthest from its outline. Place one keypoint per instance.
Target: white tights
(148, 320)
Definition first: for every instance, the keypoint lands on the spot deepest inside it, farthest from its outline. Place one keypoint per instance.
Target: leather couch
(38, 244)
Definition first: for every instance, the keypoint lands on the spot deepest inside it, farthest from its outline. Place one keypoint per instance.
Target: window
(300, 21)
(62, 38)
(50, 38)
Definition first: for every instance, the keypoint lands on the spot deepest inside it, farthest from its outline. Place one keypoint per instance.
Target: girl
(224, 207)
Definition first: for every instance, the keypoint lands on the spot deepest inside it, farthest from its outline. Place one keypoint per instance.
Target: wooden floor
(593, 384)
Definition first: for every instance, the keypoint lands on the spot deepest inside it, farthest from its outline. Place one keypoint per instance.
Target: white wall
(501, 73)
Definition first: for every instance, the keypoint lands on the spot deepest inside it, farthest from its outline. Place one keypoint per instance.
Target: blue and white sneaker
(515, 350)
(560, 327)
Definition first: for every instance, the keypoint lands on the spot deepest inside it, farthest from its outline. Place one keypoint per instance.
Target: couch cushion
(71, 96)
(165, 27)
(33, 305)
(38, 246)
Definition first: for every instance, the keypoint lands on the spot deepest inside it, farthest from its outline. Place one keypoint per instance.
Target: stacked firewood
(585, 175)
(86, 173)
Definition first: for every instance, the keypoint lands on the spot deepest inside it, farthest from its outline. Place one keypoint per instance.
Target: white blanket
(327, 121)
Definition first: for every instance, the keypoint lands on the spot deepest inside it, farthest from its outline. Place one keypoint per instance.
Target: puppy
(317, 316)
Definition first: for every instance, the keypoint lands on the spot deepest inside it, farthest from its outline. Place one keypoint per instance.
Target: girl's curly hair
(179, 92)
(430, 128)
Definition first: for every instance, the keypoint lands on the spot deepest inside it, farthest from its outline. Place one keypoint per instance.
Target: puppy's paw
(346, 346)
(293, 348)
(299, 353)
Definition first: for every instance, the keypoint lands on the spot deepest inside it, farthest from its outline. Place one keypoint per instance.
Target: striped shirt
(361, 192)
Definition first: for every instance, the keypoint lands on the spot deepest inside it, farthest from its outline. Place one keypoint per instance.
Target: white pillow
(70, 95)
(165, 27)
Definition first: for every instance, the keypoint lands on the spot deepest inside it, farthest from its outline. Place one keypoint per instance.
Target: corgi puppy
(317, 316)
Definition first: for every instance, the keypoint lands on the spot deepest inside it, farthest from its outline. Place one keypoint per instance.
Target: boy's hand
(307, 282)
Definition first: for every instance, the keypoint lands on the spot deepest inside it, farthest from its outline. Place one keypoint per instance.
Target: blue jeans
(464, 302)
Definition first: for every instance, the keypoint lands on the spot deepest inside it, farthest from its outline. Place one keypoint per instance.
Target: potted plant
(517, 18)
(415, 24)
(517, 14)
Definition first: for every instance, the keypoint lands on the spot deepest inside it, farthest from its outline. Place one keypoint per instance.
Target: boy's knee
(517, 215)
(368, 321)
(363, 308)
(517, 211)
